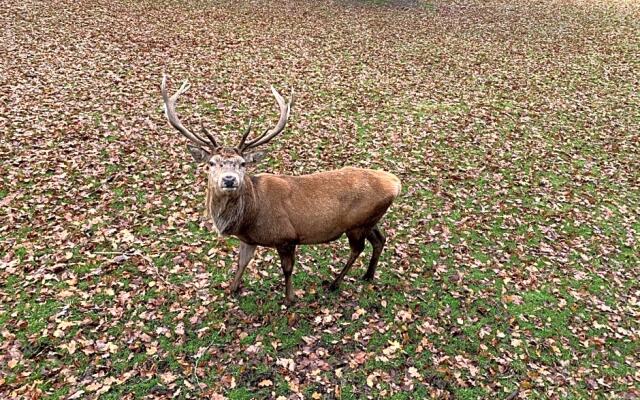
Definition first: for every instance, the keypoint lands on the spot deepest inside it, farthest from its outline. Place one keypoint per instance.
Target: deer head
(226, 164)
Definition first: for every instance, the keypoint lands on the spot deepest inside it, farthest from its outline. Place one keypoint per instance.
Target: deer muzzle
(229, 182)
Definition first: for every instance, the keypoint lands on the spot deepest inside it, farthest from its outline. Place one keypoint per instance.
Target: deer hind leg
(356, 242)
(377, 240)
(287, 258)
(246, 254)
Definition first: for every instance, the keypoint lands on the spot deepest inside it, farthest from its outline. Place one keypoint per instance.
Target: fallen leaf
(265, 383)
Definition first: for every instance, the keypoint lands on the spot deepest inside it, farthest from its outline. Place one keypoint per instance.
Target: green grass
(512, 253)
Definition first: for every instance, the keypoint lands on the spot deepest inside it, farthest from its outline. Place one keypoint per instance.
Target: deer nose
(228, 181)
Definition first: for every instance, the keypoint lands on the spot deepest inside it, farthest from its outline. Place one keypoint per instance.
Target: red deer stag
(281, 211)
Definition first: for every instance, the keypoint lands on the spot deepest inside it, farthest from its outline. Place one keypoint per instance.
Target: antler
(267, 135)
(170, 111)
(244, 136)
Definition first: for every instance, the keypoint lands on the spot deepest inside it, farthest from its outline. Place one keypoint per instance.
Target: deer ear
(199, 154)
(254, 157)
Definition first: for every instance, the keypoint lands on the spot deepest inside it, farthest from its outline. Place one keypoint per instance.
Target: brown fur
(281, 211)
(310, 209)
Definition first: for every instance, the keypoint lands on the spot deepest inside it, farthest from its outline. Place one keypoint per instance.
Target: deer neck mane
(229, 212)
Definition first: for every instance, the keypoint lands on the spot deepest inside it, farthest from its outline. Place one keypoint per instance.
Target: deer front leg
(246, 254)
(287, 257)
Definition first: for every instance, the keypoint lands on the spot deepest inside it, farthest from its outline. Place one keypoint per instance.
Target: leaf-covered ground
(512, 263)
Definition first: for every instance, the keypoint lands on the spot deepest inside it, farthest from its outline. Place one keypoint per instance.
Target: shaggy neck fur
(228, 212)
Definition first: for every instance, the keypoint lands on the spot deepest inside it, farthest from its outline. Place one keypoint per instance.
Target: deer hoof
(330, 285)
(367, 278)
(288, 302)
(235, 288)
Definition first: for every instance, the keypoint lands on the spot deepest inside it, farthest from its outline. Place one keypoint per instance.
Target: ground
(511, 269)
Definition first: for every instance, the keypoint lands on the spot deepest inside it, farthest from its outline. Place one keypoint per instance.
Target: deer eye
(242, 164)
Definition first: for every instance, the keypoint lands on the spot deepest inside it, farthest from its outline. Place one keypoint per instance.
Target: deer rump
(316, 208)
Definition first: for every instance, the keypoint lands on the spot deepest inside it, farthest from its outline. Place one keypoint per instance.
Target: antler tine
(170, 111)
(209, 136)
(244, 136)
(250, 143)
(285, 110)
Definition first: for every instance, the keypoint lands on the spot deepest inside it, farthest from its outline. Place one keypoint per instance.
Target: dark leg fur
(287, 258)
(356, 242)
(377, 240)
